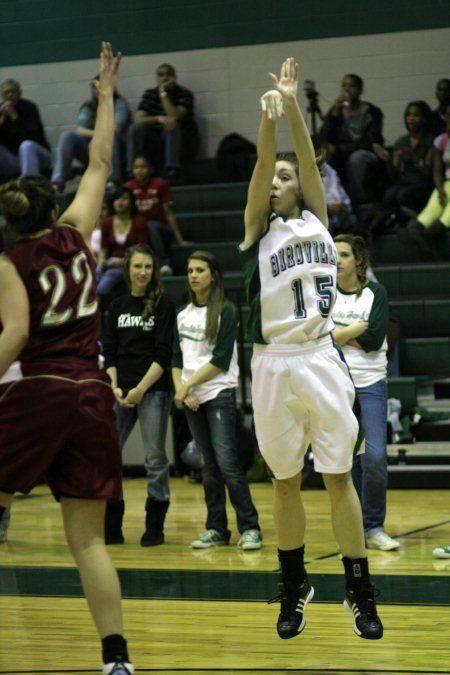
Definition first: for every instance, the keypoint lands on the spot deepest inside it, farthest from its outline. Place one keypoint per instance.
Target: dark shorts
(60, 431)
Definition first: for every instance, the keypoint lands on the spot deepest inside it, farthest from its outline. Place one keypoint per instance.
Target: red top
(137, 235)
(150, 197)
(58, 271)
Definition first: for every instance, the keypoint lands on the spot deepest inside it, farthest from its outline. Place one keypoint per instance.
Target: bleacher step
(442, 388)
(433, 431)
(419, 465)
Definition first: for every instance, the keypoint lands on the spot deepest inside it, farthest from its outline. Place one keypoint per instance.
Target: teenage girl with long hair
(137, 348)
(205, 374)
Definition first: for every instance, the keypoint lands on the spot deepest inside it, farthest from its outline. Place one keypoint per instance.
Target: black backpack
(235, 158)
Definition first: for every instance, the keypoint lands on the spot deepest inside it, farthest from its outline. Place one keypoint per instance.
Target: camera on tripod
(313, 109)
(310, 91)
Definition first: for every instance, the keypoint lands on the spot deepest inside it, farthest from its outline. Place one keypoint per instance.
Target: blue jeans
(6, 518)
(31, 158)
(153, 415)
(160, 236)
(361, 168)
(108, 279)
(72, 145)
(213, 428)
(370, 474)
(165, 146)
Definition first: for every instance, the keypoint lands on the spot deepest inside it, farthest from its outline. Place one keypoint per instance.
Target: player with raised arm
(56, 407)
(302, 392)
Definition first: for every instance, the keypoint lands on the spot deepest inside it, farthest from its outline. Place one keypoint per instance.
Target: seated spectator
(433, 222)
(164, 128)
(409, 163)
(154, 201)
(126, 227)
(340, 215)
(351, 128)
(438, 125)
(75, 144)
(23, 146)
(96, 237)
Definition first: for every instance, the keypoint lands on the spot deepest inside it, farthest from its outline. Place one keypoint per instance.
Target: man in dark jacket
(353, 131)
(23, 145)
(164, 128)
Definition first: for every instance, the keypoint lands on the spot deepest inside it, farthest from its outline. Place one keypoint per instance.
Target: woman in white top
(205, 374)
(361, 315)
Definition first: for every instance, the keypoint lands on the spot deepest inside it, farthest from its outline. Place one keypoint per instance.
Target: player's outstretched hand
(272, 104)
(109, 68)
(288, 82)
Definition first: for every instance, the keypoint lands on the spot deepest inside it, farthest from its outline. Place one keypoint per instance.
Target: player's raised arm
(258, 199)
(85, 209)
(310, 179)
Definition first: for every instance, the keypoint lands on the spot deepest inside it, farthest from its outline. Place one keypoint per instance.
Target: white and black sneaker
(118, 669)
(293, 598)
(361, 604)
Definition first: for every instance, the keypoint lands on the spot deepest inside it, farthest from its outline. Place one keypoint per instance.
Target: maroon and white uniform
(56, 405)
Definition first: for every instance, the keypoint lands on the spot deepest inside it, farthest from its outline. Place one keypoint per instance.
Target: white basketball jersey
(297, 265)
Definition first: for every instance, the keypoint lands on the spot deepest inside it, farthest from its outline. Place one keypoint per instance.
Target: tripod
(313, 108)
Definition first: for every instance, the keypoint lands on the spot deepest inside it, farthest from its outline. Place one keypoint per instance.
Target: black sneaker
(362, 605)
(293, 598)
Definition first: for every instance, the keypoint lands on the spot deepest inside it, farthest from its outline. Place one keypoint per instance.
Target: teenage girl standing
(137, 349)
(361, 316)
(205, 374)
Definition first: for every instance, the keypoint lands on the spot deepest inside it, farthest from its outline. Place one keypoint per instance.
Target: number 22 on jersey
(52, 279)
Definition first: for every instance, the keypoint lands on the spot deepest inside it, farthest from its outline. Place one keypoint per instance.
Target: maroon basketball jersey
(58, 271)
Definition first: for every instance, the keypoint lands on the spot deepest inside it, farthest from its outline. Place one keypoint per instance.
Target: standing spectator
(164, 126)
(126, 227)
(23, 146)
(137, 350)
(205, 374)
(49, 367)
(75, 144)
(154, 201)
(353, 131)
(361, 316)
(409, 162)
(438, 123)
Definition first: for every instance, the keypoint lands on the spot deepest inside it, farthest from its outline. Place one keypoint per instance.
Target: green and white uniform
(191, 350)
(302, 392)
(369, 364)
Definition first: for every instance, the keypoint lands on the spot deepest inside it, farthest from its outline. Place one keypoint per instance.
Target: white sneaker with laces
(251, 540)
(118, 669)
(442, 552)
(382, 541)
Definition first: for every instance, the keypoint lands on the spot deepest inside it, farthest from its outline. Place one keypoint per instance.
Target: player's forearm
(100, 148)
